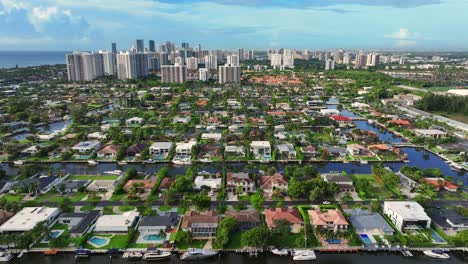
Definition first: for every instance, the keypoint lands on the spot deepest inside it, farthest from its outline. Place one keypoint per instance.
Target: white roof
(430, 131)
(161, 145)
(213, 183)
(260, 144)
(408, 210)
(185, 145)
(116, 222)
(214, 136)
(28, 218)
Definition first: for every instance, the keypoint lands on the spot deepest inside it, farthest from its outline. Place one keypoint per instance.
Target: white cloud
(404, 37)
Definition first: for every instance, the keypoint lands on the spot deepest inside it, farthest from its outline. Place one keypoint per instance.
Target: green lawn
(92, 177)
(87, 208)
(373, 190)
(13, 198)
(108, 210)
(126, 208)
(117, 241)
(78, 197)
(164, 208)
(235, 242)
(116, 197)
(196, 243)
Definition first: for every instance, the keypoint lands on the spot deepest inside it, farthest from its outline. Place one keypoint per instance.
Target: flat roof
(28, 218)
(409, 210)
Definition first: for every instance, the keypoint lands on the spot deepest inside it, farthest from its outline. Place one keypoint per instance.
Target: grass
(87, 208)
(92, 177)
(13, 198)
(374, 190)
(164, 208)
(116, 197)
(235, 242)
(108, 210)
(117, 241)
(126, 208)
(196, 243)
(78, 197)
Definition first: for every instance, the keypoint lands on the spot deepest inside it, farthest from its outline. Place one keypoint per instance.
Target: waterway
(233, 258)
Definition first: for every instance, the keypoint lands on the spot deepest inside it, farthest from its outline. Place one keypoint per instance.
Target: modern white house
(29, 217)
(134, 121)
(261, 149)
(407, 215)
(430, 133)
(87, 146)
(160, 149)
(212, 136)
(212, 183)
(116, 223)
(183, 150)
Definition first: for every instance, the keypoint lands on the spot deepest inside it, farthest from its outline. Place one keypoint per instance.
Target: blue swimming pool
(436, 238)
(153, 237)
(333, 241)
(365, 238)
(99, 241)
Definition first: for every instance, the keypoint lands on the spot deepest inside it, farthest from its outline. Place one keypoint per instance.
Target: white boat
(18, 162)
(206, 160)
(181, 161)
(156, 255)
(304, 254)
(132, 255)
(5, 256)
(113, 172)
(92, 162)
(122, 162)
(455, 166)
(282, 252)
(438, 254)
(197, 254)
(370, 121)
(364, 162)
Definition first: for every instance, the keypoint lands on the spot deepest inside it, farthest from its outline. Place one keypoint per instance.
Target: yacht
(282, 252)
(5, 256)
(82, 253)
(304, 254)
(196, 254)
(122, 162)
(92, 162)
(156, 255)
(18, 162)
(132, 255)
(113, 172)
(439, 254)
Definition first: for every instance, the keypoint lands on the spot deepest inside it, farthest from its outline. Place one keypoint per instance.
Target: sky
(230, 24)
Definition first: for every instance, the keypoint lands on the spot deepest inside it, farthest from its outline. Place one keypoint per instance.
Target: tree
(256, 237)
(257, 200)
(201, 201)
(375, 206)
(183, 238)
(225, 229)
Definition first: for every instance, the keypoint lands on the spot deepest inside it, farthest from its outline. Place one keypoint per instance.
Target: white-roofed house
(407, 215)
(116, 223)
(29, 217)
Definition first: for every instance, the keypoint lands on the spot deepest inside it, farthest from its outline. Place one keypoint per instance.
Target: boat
(282, 252)
(113, 172)
(92, 162)
(304, 254)
(18, 162)
(364, 162)
(5, 256)
(438, 254)
(22, 252)
(51, 252)
(132, 255)
(82, 253)
(197, 254)
(122, 162)
(156, 255)
(455, 166)
(113, 251)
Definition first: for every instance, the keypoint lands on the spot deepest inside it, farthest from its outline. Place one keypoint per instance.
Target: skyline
(227, 24)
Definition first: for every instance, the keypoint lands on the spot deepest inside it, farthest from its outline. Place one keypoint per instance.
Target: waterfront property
(407, 215)
(246, 219)
(367, 222)
(116, 223)
(290, 215)
(79, 223)
(29, 217)
(331, 219)
(201, 225)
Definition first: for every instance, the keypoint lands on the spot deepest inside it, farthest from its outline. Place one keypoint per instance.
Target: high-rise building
(152, 46)
(173, 73)
(337, 56)
(139, 45)
(347, 58)
(288, 60)
(361, 60)
(233, 60)
(241, 54)
(229, 73)
(114, 48)
(141, 65)
(192, 63)
(126, 65)
(251, 55)
(153, 62)
(276, 59)
(185, 45)
(211, 62)
(203, 74)
(84, 66)
(109, 60)
(329, 65)
(163, 58)
(373, 59)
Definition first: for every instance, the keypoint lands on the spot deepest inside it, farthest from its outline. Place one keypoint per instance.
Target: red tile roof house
(109, 151)
(275, 184)
(246, 219)
(341, 119)
(331, 219)
(440, 183)
(291, 215)
(201, 225)
(143, 185)
(166, 183)
(400, 122)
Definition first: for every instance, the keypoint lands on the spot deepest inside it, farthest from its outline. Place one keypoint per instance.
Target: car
(326, 202)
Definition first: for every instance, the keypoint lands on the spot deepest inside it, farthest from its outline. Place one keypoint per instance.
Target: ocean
(9, 59)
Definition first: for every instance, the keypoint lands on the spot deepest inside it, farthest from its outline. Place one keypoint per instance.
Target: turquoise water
(55, 234)
(98, 241)
(153, 237)
(365, 238)
(438, 239)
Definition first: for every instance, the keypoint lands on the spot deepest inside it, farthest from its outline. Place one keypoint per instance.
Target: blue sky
(259, 24)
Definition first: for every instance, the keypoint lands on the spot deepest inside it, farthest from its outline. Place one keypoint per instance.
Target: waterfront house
(5, 215)
(139, 185)
(134, 150)
(290, 215)
(309, 152)
(331, 219)
(239, 183)
(234, 151)
(79, 223)
(441, 183)
(286, 151)
(201, 225)
(451, 220)
(35, 185)
(87, 147)
(159, 223)
(261, 149)
(26, 219)
(367, 222)
(343, 182)
(134, 121)
(356, 150)
(109, 152)
(400, 123)
(166, 183)
(276, 184)
(116, 223)
(160, 149)
(213, 184)
(430, 133)
(246, 219)
(183, 150)
(407, 215)
(103, 186)
(72, 186)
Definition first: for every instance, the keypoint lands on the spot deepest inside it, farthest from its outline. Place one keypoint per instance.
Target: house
(273, 184)
(116, 223)
(29, 152)
(29, 217)
(344, 183)
(261, 149)
(158, 223)
(211, 136)
(71, 186)
(212, 183)
(341, 120)
(166, 183)
(201, 225)
(290, 215)
(246, 219)
(367, 222)
(181, 120)
(331, 219)
(450, 220)
(79, 223)
(101, 186)
(286, 151)
(142, 185)
(160, 149)
(399, 122)
(87, 147)
(97, 136)
(41, 184)
(237, 151)
(239, 183)
(109, 151)
(134, 150)
(329, 112)
(134, 121)
(183, 150)
(430, 133)
(380, 148)
(356, 149)
(407, 215)
(335, 151)
(309, 151)
(441, 183)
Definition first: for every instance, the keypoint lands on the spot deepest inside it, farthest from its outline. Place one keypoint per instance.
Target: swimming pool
(53, 234)
(333, 241)
(365, 238)
(436, 238)
(97, 241)
(153, 237)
